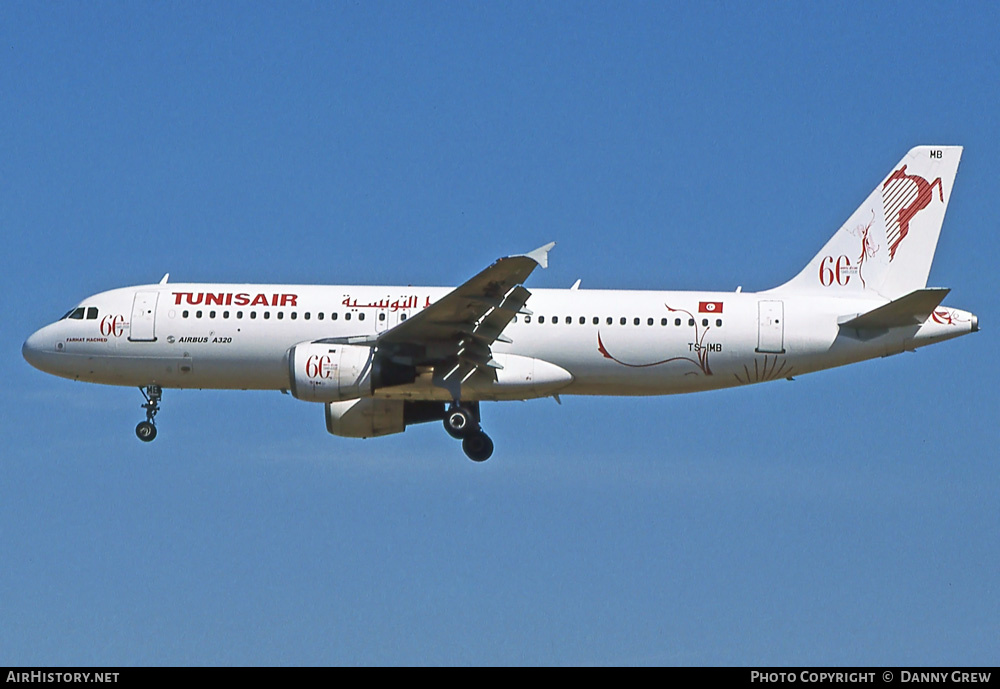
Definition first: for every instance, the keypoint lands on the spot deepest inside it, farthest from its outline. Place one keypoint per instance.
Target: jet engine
(366, 418)
(321, 372)
(372, 417)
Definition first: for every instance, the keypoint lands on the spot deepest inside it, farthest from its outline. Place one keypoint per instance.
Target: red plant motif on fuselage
(764, 371)
(903, 196)
(702, 350)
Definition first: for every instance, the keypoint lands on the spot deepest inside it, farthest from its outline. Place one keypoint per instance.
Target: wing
(455, 333)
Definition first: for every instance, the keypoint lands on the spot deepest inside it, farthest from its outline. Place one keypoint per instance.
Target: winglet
(541, 254)
(164, 279)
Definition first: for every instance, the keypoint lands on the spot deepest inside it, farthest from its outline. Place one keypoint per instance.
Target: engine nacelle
(372, 416)
(329, 373)
(366, 418)
(333, 372)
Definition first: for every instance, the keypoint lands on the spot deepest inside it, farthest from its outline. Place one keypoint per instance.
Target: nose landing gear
(462, 423)
(146, 430)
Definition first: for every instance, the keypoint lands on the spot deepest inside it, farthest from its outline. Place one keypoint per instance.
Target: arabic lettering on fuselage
(400, 304)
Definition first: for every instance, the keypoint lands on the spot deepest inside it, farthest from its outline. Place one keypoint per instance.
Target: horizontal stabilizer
(912, 309)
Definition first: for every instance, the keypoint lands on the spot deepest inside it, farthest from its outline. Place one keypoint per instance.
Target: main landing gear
(146, 430)
(462, 423)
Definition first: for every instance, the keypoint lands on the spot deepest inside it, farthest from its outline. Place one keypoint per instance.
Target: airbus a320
(381, 358)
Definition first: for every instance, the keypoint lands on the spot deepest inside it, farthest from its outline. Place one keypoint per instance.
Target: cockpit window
(81, 312)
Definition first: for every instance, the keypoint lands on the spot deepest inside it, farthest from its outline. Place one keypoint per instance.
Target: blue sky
(849, 517)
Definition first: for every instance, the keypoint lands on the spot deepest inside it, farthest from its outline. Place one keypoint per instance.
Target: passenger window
(624, 320)
(225, 314)
(197, 314)
(267, 315)
(211, 314)
(402, 317)
(690, 321)
(596, 320)
(649, 321)
(541, 319)
(295, 315)
(611, 321)
(569, 320)
(92, 313)
(677, 321)
(347, 316)
(663, 321)
(253, 315)
(381, 316)
(704, 321)
(239, 315)
(307, 315)
(333, 316)
(184, 314)
(527, 319)
(319, 315)
(281, 315)
(718, 322)
(361, 316)
(635, 321)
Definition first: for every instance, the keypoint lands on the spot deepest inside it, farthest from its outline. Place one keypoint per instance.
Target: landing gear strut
(462, 423)
(146, 430)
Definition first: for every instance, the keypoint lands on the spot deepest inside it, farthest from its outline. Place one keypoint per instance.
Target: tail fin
(886, 247)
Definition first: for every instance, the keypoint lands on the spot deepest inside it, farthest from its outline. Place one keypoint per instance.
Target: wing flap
(490, 326)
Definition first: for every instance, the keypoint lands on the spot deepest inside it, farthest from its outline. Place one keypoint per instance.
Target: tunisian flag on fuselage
(709, 307)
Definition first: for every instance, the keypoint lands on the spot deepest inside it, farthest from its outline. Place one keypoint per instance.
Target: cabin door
(143, 324)
(771, 327)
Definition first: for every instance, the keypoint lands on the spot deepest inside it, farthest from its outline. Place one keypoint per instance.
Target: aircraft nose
(32, 349)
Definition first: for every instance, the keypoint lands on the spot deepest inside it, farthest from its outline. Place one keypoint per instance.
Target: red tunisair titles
(234, 299)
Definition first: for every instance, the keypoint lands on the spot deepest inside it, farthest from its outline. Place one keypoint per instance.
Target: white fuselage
(383, 358)
(610, 342)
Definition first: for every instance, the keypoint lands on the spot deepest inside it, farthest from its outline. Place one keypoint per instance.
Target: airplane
(382, 358)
